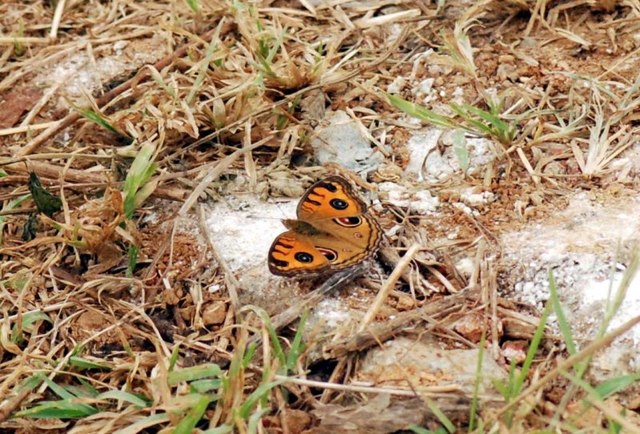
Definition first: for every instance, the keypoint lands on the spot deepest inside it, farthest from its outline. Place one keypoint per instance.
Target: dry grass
(131, 112)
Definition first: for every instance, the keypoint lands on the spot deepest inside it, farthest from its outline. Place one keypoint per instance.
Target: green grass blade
(30, 318)
(189, 422)
(122, 396)
(139, 174)
(145, 191)
(615, 385)
(419, 430)
(208, 370)
(175, 354)
(28, 321)
(460, 149)
(489, 117)
(83, 391)
(132, 260)
(474, 125)
(297, 346)
(99, 119)
(421, 112)
(205, 386)
(533, 349)
(614, 305)
(563, 324)
(193, 5)
(58, 390)
(439, 414)
(249, 404)
(10, 205)
(18, 281)
(254, 421)
(64, 409)
(84, 364)
(593, 393)
(275, 342)
(31, 382)
(248, 355)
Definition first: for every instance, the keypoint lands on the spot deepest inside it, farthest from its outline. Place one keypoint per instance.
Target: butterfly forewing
(332, 197)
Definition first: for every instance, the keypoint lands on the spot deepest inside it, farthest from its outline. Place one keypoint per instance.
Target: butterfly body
(333, 231)
(301, 227)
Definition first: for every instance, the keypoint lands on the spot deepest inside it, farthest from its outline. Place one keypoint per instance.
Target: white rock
(244, 228)
(408, 361)
(471, 198)
(397, 85)
(580, 245)
(421, 201)
(340, 140)
(426, 163)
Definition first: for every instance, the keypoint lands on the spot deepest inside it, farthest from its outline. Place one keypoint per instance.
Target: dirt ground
(148, 151)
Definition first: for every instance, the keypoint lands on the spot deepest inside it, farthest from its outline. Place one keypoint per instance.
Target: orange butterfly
(333, 232)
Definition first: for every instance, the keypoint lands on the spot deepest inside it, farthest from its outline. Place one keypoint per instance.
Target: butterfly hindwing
(294, 254)
(291, 251)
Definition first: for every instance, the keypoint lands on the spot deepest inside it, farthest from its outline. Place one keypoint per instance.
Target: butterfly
(333, 232)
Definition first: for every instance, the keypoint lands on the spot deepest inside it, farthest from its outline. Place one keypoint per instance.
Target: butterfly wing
(331, 197)
(333, 207)
(295, 254)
